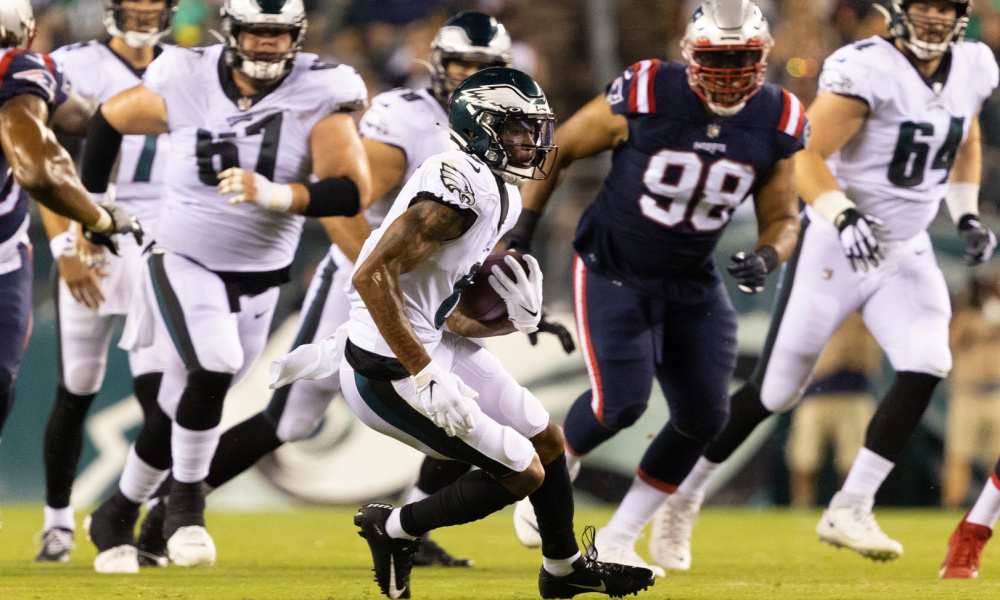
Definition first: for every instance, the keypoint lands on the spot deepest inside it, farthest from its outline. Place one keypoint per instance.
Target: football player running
(251, 120)
(94, 287)
(402, 128)
(865, 247)
(33, 96)
(691, 143)
(434, 389)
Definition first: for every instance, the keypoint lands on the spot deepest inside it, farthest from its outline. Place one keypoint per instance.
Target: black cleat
(151, 543)
(392, 557)
(430, 554)
(55, 545)
(113, 523)
(590, 575)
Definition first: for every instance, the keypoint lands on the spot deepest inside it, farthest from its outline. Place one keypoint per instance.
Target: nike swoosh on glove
(859, 235)
(523, 294)
(979, 241)
(443, 397)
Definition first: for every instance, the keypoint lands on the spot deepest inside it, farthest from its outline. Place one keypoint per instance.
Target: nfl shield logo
(244, 103)
(713, 130)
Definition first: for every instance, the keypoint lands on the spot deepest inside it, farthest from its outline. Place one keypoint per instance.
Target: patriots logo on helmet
(42, 77)
(455, 181)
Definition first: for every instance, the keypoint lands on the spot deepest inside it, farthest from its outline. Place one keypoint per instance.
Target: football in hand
(480, 301)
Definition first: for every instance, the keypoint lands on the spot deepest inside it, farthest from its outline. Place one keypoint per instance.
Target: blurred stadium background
(573, 48)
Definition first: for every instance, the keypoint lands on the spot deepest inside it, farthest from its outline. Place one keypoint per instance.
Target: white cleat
(191, 546)
(120, 559)
(526, 525)
(613, 549)
(670, 537)
(849, 523)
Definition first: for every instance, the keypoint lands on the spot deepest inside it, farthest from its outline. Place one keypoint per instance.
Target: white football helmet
(115, 21)
(470, 36)
(17, 24)
(900, 23)
(726, 45)
(289, 15)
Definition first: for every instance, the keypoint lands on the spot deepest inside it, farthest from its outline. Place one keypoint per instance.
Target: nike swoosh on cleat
(594, 588)
(394, 592)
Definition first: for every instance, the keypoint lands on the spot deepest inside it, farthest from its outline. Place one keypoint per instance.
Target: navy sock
(671, 456)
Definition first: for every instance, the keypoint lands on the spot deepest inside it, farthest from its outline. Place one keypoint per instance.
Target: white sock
(395, 529)
(697, 480)
(416, 495)
(635, 510)
(573, 466)
(867, 473)
(59, 517)
(560, 567)
(986, 510)
(192, 452)
(139, 480)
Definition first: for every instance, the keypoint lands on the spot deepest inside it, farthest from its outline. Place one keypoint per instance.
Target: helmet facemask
(521, 145)
(267, 19)
(725, 77)
(138, 27)
(939, 32)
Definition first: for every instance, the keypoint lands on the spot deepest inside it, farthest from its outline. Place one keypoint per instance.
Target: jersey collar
(244, 103)
(138, 72)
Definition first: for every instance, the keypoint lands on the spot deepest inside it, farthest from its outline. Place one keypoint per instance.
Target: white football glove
(254, 188)
(859, 235)
(523, 294)
(443, 397)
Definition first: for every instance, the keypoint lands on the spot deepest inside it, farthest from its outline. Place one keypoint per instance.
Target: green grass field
(314, 554)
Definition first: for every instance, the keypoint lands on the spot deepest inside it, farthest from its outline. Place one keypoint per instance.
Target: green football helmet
(469, 36)
(500, 115)
(265, 15)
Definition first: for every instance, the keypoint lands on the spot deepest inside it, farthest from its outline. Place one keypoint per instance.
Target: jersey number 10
(683, 189)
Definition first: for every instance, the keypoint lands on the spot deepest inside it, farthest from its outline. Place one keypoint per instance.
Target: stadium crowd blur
(573, 48)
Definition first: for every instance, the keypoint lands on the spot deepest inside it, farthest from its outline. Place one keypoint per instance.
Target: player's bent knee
(84, 377)
(705, 425)
(524, 483)
(550, 443)
(623, 418)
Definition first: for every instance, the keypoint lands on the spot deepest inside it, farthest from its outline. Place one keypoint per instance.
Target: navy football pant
(15, 326)
(629, 338)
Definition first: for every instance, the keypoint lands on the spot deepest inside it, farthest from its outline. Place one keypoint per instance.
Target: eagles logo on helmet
(116, 21)
(903, 27)
(472, 37)
(501, 115)
(269, 17)
(726, 45)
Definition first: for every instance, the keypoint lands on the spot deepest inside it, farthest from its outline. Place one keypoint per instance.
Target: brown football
(480, 301)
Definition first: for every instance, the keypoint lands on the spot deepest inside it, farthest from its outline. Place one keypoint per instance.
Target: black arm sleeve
(333, 197)
(103, 145)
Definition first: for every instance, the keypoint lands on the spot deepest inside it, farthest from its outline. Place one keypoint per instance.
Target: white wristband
(278, 197)
(105, 224)
(62, 244)
(962, 198)
(831, 203)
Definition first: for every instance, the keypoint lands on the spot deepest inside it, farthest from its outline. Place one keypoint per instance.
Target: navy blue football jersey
(23, 72)
(677, 180)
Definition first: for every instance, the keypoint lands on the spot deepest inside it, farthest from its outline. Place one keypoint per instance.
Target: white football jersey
(213, 128)
(96, 71)
(414, 122)
(431, 291)
(896, 166)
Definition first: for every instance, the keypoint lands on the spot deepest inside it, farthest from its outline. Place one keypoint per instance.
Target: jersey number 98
(681, 188)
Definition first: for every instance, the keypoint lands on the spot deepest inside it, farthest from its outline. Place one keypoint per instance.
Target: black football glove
(979, 241)
(750, 270)
(121, 222)
(859, 235)
(547, 325)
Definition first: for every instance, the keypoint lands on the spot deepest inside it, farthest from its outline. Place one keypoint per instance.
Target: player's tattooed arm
(777, 207)
(73, 116)
(466, 327)
(409, 241)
